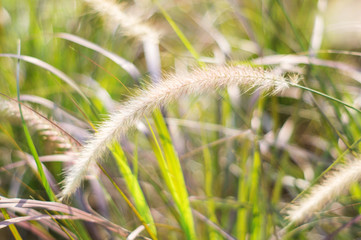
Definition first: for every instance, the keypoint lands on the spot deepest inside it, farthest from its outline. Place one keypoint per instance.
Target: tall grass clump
(180, 119)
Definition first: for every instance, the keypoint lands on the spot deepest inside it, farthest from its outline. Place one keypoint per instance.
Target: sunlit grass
(226, 164)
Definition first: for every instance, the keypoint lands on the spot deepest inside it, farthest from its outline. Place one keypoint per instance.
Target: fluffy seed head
(333, 186)
(130, 24)
(34, 120)
(200, 80)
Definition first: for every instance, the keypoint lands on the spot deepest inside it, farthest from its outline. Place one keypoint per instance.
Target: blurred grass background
(237, 186)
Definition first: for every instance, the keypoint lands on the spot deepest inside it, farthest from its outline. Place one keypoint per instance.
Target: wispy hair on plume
(200, 80)
(333, 185)
(130, 24)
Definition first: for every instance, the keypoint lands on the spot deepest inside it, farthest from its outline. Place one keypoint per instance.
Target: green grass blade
(174, 176)
(209, 186)
(298, 35)
(130, 204)
(50, 68)
(133, 186)
(254, 197)
(181, 35)
(30, 142)
(12, 227)
(242, 222)
(326, 96)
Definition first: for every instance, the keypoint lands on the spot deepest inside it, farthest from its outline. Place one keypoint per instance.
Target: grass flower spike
(131, 24)
(333, 186)
(198, 81)
(37, 122)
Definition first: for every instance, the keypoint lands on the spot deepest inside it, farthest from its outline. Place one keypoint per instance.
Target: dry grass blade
(59, 207)
(48, 67)
(58, 111)
(47, 223)
(135, 233)
(346, 69)
(40, 233)
(52, 182)
(47, 158)
(15, 220)
(346, 225)
(126, 65)
(224, 234)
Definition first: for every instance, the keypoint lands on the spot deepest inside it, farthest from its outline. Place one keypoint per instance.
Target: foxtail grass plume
(130, 24)
(334, 184)
(204, 80)
(48, 129)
